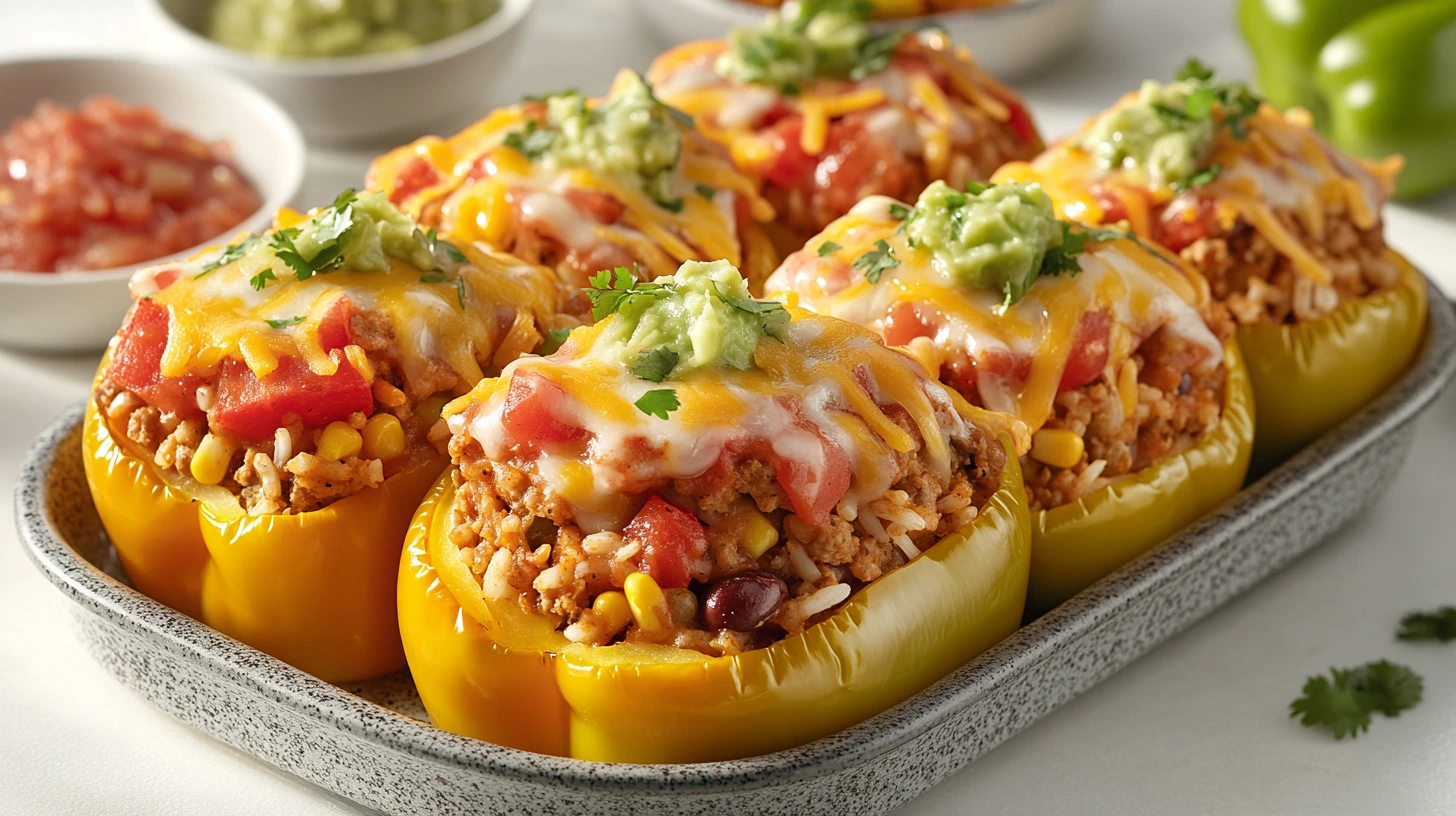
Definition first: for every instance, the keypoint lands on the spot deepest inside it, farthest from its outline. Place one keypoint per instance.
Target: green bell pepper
(1378, 75)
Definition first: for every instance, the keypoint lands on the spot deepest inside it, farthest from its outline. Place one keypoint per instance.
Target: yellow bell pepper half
(1309, 377)
(486, 669)
(315, 590)
(1077, 544)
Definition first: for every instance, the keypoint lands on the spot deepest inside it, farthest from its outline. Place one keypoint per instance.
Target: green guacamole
(703, 315)
(821, 38)
(996, 238)
(300, 29)
(1154, 134)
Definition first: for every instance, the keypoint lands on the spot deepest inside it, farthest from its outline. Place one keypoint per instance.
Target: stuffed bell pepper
(583, 185)
(1286, 229)
(259, 434)
(825, 110)
(707, 527)
(1108, 349)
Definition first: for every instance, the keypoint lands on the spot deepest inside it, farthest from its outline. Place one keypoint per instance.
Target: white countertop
(1198, 726)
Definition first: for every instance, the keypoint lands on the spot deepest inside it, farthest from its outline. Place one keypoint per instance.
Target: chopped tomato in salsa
(671, 538)
(532, 413)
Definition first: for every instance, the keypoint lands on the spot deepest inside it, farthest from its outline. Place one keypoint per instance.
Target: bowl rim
(510, 14)
(294, 156)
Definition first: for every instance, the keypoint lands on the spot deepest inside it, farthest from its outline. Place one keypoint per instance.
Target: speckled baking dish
(371, 743)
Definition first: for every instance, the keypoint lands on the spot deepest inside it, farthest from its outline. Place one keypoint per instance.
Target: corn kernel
(757, 532)
(339, 441)
(576, 483)
(210, 461)
(1127, 388)
(613, 611)
(483, 214)
(648, 604)
(383, 437)
(509, 160)
(1057, 447)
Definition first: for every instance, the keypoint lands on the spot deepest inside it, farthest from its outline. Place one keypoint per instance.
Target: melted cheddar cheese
(1142, 291)
(483, 190)
(1282, 166)
(826, 380)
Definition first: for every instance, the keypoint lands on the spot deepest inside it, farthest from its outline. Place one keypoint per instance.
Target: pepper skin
(1379, 76)
(1077, 544)
(488, 670)
(314, 589)
(1308, 377)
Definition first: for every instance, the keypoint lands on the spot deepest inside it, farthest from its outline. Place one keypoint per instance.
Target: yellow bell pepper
(314, 589)
(486, 669)
(1077, 544)
(1309, 377)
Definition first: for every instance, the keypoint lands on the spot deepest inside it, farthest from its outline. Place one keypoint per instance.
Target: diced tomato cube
(606, 209)
(1089, 350)
(671, 538)
(905, 322)
(1187, 219)
(814, 488)
(791, 165)
(416, 174)
(253, 408)
(136, 362)
(333, 330)
(534, 413)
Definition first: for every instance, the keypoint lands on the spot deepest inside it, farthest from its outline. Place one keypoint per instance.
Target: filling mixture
(300, 367)
(580, 186)
(826, 111)
(1111, 351)
(705, 470)
(1284, 226)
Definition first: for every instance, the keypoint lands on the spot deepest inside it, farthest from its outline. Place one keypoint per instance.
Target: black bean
(744, 600)
(1186, 384)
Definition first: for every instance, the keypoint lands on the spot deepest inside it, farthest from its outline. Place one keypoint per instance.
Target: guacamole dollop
(806, 40)
(702, 316)
(300, 29)
(995, 237)
(1154, 133)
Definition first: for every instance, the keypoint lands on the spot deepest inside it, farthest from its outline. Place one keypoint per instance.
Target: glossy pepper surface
(1379, 76)
(1308, 377)
(488, 670)
(1077, 544)
(315, 589)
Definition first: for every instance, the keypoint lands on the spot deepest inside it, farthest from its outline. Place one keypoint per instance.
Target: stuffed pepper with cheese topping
(762, 525)
(583, 185)
(1108, 349)
(1285, 227)
(825, 110)
(259, 433)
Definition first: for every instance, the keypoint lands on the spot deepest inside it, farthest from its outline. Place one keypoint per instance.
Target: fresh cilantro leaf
(261, 279)
(672, 205)
(451, 251)
(899, 211)
(1439, 625)
(1063, 259)
(705, 191)
(553, 341)
(828, 248)
(978, 187)
(1331, 704)
(460, 291)
(531, 142)
(1171, 116)
(1194, 69)
(875, 53)
(659, 402)
(544, 97)
(876, 261)
(433, 277)
(284, 249)
(609, 291)
(1386, 687)
(231, 253)
(285, 322)
(1199, 104)
(1198, 179)
(654, 365)
(772, 316)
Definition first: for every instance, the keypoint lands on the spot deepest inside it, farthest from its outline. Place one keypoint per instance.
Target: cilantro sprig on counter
(1344, 702)
(1438, 625)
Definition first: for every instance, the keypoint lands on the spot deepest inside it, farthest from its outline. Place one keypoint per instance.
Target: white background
(1199, 726)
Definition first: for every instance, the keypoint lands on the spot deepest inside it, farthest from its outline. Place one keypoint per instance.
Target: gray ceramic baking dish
(372, 744)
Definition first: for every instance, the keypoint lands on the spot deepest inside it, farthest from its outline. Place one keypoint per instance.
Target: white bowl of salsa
(50, 298)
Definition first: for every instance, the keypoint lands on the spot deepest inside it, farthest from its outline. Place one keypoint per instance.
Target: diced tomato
(813, 494)
(857, 163)
(136, 362)
(905, 322)
(1186, 219)
(1002, 363)
(1020, 121)
(791, 165)
(416, 174)
(604, 208)
(671, 538)
(533, 413)
(917, 64)
(1089, 350)
(333, 330)
(253, 408)
(1113, 210)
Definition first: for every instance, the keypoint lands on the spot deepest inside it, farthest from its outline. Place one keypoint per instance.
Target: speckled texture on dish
(367, 743)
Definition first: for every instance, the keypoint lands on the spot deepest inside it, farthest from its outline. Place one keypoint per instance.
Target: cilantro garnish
(531, 142)
(772, 316)
(672, 205)
(828, 248)
(231, 253)
(554, 339)
(876, 261)
(1238, 102)
(899, 211)
(705, 191)
(1343, 702)
(821, 38)
(654, 365)
(611, 290)
(1198, 179)
(262, 279)
(1439, 625)
(1063, 258)
(544, 97)
(1194, 68)
(978, 187)
(433, 277)
(285, 322)
(658, 402)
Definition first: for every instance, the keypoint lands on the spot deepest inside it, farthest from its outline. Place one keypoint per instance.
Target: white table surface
(1198, 726)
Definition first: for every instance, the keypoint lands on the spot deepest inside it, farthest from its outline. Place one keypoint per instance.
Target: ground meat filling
(522, 541)
(1260, 285)
(283, 475)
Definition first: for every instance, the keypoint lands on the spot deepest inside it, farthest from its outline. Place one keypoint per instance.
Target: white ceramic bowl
(1010, 40)
(74, 311)
(362, 100)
